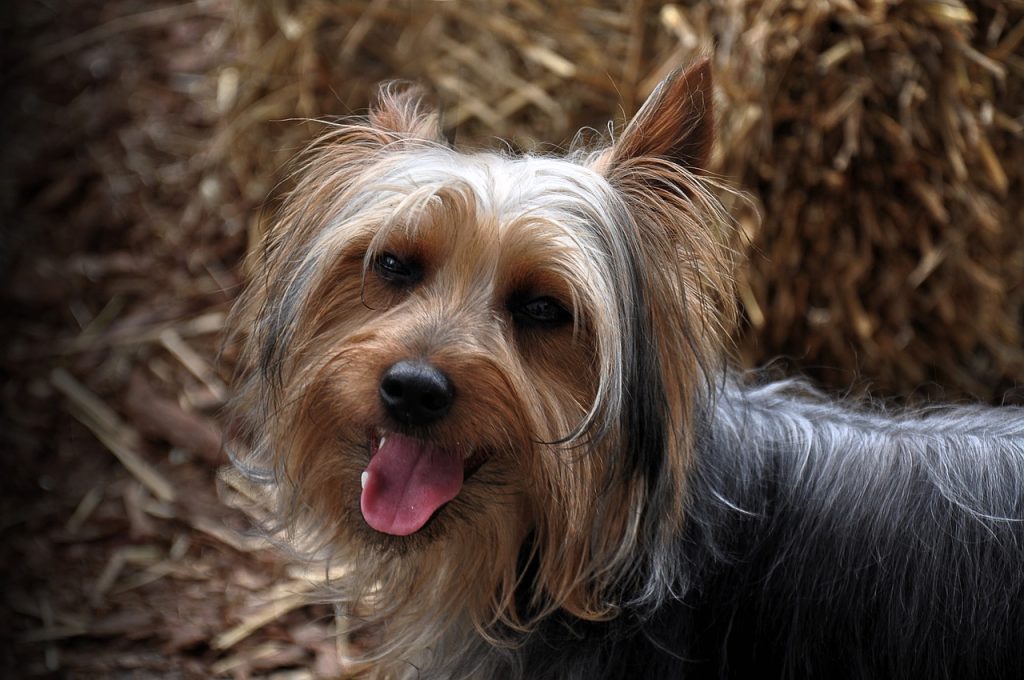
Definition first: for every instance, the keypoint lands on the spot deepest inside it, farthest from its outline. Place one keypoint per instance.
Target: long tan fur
(560, 512)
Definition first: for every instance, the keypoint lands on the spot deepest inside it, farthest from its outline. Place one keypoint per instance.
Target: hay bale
(885, 146)
(882, 142)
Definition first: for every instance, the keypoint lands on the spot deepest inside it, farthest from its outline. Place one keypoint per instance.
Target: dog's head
(457, 365)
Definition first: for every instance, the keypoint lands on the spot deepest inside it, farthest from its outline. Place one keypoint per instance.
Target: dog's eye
(396, 270)
(541, 311)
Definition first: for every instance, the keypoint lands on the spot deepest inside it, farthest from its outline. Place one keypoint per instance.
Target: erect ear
(401, 108)
(676, 123)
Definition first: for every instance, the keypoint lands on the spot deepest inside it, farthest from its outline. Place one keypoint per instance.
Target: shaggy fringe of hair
(656, 212)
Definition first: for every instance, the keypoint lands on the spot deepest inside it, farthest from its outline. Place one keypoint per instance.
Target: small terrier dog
(495, 389)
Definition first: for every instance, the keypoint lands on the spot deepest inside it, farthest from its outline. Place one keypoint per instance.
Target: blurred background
(145, 147)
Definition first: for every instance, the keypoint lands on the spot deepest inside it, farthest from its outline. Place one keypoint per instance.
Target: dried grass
(885, 145)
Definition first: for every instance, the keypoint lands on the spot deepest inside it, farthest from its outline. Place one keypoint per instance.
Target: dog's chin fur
(630, 507)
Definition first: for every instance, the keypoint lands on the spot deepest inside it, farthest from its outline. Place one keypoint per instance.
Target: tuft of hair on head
(402, 110)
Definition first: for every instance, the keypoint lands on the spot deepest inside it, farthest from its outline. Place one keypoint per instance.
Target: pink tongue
(408, 481)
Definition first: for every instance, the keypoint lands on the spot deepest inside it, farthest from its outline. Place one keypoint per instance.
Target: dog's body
(825, 542)
(494, 389)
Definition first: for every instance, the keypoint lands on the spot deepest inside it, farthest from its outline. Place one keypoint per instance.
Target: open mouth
(407, 481)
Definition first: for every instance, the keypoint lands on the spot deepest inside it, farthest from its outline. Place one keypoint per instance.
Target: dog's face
(458, 364)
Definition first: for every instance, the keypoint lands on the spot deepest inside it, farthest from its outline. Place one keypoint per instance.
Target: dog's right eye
(401, 272)
(542, 311)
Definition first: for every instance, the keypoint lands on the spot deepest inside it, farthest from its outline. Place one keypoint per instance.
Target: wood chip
(161, 417)
(197, 365)
(271, 611)
(119, 439)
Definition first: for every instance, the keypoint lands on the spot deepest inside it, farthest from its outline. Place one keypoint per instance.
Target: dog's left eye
(396, 270)
(542, 311)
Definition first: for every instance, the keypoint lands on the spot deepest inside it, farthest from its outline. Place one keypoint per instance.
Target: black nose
(416, 393)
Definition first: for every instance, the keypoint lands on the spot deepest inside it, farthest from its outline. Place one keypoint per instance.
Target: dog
(495, 389)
